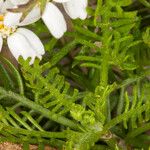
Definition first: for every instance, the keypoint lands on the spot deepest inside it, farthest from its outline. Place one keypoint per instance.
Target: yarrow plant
(85, 88)
(23, 42)
(52, 16)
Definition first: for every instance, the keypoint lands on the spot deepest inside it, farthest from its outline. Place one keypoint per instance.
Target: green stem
(45, 112)
(138, 131)
(145, 3)
(104, 83)
(104, 71)
(105, 62)
(126, 116)
(97, 11)
(64, 51)
(121, 101)
(16, 74)
(51, 142)
(44, 134)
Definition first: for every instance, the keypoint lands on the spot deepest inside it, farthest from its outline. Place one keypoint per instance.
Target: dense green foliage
(92, 88)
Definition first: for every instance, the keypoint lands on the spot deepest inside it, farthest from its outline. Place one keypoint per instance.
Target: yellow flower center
(5, 31)
(1, 21)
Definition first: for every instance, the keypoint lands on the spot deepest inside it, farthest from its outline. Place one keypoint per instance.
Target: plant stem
(138, 131)
(145, 3)
(104, 82)
(45, 112)
(121, 101)
(52, 142)
(105, 64)
(126, 116)
(45, 134)
(16, 74)
(104, 71)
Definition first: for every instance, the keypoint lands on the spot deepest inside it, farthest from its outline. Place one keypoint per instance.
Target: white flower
(21, 41)
(52, 16)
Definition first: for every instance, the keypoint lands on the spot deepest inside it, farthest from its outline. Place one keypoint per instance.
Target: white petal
(54, 20)
(32, 17)
(1, 4)
(6, 5)
(1, 43)
(19, 46)
(76, 8)
(33, 40)
(19, 2)
(12, 19)
(61, 1)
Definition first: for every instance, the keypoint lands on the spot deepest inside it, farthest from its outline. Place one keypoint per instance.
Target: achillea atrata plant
(85, 88)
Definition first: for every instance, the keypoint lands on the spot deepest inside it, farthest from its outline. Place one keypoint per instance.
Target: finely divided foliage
(91, 89)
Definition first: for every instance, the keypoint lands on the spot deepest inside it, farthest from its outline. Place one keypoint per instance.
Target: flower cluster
(23, 42)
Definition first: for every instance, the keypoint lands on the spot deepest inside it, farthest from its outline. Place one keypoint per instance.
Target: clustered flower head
(23, 42)
(54, 19)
